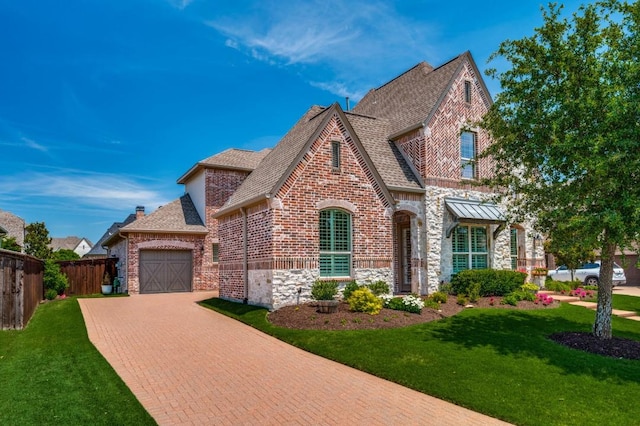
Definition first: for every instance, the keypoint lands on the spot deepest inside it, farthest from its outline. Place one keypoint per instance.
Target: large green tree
(566, 131)
(37, 240)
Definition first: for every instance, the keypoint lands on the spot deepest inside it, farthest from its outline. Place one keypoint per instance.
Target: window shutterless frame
(335, 243)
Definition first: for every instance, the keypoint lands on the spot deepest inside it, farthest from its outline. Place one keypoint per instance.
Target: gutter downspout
(245, 257)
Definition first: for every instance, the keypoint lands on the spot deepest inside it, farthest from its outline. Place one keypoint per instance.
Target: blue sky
(105, 104)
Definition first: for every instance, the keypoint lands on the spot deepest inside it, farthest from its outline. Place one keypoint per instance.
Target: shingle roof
(179, 216)
(67, 243)
(98, 249)
(393, 168)
(409, 98)
(265, 177)
(235, 159)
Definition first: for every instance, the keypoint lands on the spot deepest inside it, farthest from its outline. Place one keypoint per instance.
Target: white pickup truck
(588, 273)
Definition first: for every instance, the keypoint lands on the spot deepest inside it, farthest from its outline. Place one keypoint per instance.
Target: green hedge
(493, 282)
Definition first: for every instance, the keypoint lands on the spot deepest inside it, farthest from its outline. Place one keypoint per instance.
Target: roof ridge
(406, 72)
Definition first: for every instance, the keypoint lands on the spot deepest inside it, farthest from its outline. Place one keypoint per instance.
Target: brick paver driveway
(190, 365)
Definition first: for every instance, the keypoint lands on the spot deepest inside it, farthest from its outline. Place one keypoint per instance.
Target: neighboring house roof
(234, 159)
(179, 216)
(68, 243)
(12, 226)
(98, 249)
(410, 99)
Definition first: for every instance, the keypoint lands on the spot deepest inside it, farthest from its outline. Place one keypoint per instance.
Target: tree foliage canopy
(65, 254)
(566, 128)
(10, 243)
(37, 240)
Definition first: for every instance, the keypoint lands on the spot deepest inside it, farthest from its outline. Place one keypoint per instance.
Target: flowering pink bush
(545, 299)
(581, 293)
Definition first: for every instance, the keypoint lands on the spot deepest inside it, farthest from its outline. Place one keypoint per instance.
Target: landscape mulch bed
(305, 317)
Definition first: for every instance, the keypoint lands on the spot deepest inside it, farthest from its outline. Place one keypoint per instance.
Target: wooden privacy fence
(21, 288)
(85, 275)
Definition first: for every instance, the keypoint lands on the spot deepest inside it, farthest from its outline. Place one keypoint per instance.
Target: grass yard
(51, 374)
(494, 361)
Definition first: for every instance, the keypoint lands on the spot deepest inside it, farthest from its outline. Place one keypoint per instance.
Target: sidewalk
(189, 365)
(626, 290)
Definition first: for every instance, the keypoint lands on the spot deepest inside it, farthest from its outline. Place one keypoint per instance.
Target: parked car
(588, 273)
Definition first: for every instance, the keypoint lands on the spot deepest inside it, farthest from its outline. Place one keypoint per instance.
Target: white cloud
(79, 189)
(341, 46)
(34, 145)
(180, 4)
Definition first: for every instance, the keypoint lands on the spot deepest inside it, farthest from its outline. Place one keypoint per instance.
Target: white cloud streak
(346, 41)
(78, 189)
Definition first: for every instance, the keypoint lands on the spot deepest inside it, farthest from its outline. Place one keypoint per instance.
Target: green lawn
(495, 361)
(51, 374)
(626, 303)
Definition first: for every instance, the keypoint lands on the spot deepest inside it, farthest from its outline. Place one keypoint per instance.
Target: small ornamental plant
(363, 300)
(408, 303)
(324, 290)
(543, 299)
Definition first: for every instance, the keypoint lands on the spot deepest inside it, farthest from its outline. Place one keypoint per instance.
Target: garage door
(165, 271)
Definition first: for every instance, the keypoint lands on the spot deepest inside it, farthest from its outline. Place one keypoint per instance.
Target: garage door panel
(164, 271)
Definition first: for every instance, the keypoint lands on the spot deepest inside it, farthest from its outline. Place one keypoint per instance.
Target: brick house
(173, 249)
(383, 192)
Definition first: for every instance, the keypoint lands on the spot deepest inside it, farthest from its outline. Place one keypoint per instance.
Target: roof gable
(409, 99)
(273, 172)
(179, 216)
(232, 159)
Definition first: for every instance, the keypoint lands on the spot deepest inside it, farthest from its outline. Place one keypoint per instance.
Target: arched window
(335, 243)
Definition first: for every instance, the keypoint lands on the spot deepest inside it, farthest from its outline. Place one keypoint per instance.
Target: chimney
(139, 212)
(347, 102)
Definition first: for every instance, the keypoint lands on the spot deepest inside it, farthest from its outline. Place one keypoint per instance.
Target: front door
(405, 258)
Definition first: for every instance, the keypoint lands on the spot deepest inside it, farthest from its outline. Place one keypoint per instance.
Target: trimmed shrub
(53, 278)
(363, 300)
(324, 290)
(530, 287)
(492, 282)
(409, 303)
(557, 286)
(379, 288)
(349, 288)
(50, 294)
(431, 304)
(439, 297)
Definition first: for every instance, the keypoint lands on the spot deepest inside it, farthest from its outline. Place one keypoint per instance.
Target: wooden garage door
(165, 271)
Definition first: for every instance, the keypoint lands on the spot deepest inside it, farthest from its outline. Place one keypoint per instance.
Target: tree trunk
(602, 325)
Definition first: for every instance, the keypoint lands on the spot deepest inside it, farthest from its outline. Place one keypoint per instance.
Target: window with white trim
(470, 248)
(468, 154)
(335, 243)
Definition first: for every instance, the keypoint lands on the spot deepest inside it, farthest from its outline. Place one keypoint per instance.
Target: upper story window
(467, 91)
(335, 154)
(468, 154)
(335, 243)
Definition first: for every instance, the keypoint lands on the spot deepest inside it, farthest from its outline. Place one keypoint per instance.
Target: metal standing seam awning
(474, 211)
